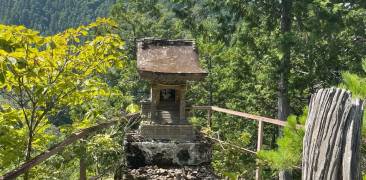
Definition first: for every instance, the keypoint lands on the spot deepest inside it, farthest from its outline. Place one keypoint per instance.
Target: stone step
(169, 117)
(168, 108)
(169, 114)
(169, 132)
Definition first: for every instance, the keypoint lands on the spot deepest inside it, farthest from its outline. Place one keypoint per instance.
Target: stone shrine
(168, 65)
(165, 137)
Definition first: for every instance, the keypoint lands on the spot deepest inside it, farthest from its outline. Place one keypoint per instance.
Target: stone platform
(185, 172)
(168, 132)
(143, 152)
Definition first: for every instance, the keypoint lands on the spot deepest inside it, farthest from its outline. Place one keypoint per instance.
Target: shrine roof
(178, 58)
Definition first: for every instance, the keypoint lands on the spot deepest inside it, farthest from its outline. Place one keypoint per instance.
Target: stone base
(186, 172)
(168, 132)
(167, 153)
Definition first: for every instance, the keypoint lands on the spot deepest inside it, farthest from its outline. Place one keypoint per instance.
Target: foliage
(40, 76)
(289, 152)
(52, 16)
(233, 163)
(357, 85)
(241, 45)
(103, 151)
(133, 108)
(11, 136)
(230, 161)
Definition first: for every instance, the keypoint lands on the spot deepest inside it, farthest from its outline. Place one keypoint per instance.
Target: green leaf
(133, 108)
(2, 77)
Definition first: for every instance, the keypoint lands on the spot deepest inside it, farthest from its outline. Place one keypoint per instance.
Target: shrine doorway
(168, 96)
(168, 106)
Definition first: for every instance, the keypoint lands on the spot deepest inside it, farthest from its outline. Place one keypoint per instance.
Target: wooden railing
(85, 132)
(60, 146)
(260, 119)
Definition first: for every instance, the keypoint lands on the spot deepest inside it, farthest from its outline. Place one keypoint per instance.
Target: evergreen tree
(249, 56)
(52, 16)
(243, 46)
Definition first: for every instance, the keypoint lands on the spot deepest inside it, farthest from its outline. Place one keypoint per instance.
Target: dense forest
(49, 16)
(263, 57)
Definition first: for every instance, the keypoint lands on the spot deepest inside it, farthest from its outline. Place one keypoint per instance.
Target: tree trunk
(284, 69)
(209, 67)
(82, 162)
(28, 152)
(332, 136)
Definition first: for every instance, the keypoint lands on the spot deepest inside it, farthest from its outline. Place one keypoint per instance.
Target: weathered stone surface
(141, 152)
(332, 136)
(168, 132)
(185, 172)
(146, 108)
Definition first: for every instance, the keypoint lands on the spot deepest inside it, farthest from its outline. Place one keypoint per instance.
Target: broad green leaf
(133, 108)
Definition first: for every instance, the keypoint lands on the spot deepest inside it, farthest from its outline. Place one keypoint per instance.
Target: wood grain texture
(332, 136)
(249, 116)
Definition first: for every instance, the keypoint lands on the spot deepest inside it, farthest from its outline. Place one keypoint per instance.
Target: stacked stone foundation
(154, 151)
(167, 146)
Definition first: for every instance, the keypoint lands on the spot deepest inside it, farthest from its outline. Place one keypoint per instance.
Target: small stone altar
(165, 137)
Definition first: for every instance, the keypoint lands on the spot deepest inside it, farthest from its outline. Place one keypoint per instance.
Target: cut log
(332, 136)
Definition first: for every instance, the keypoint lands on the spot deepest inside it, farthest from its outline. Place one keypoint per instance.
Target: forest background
(264, 57)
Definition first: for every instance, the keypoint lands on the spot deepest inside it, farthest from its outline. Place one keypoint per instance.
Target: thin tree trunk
(82, 162)
(28, 152)
(209, 67)
(284, 69)
(332, 137)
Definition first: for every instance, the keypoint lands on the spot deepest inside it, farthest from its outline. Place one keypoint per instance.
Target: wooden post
(182, 105)
(209, 118)
(82, 160)
(332, 136)
(155, 93)
(259, 147)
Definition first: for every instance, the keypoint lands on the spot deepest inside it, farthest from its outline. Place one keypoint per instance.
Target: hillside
(52, 16)
(66, 96)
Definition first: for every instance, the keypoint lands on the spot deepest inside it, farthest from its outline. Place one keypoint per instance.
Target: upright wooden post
(209, 114)
(182, 104)
(155, 93)
(82, 160)
(259, 147)
(332, 136)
